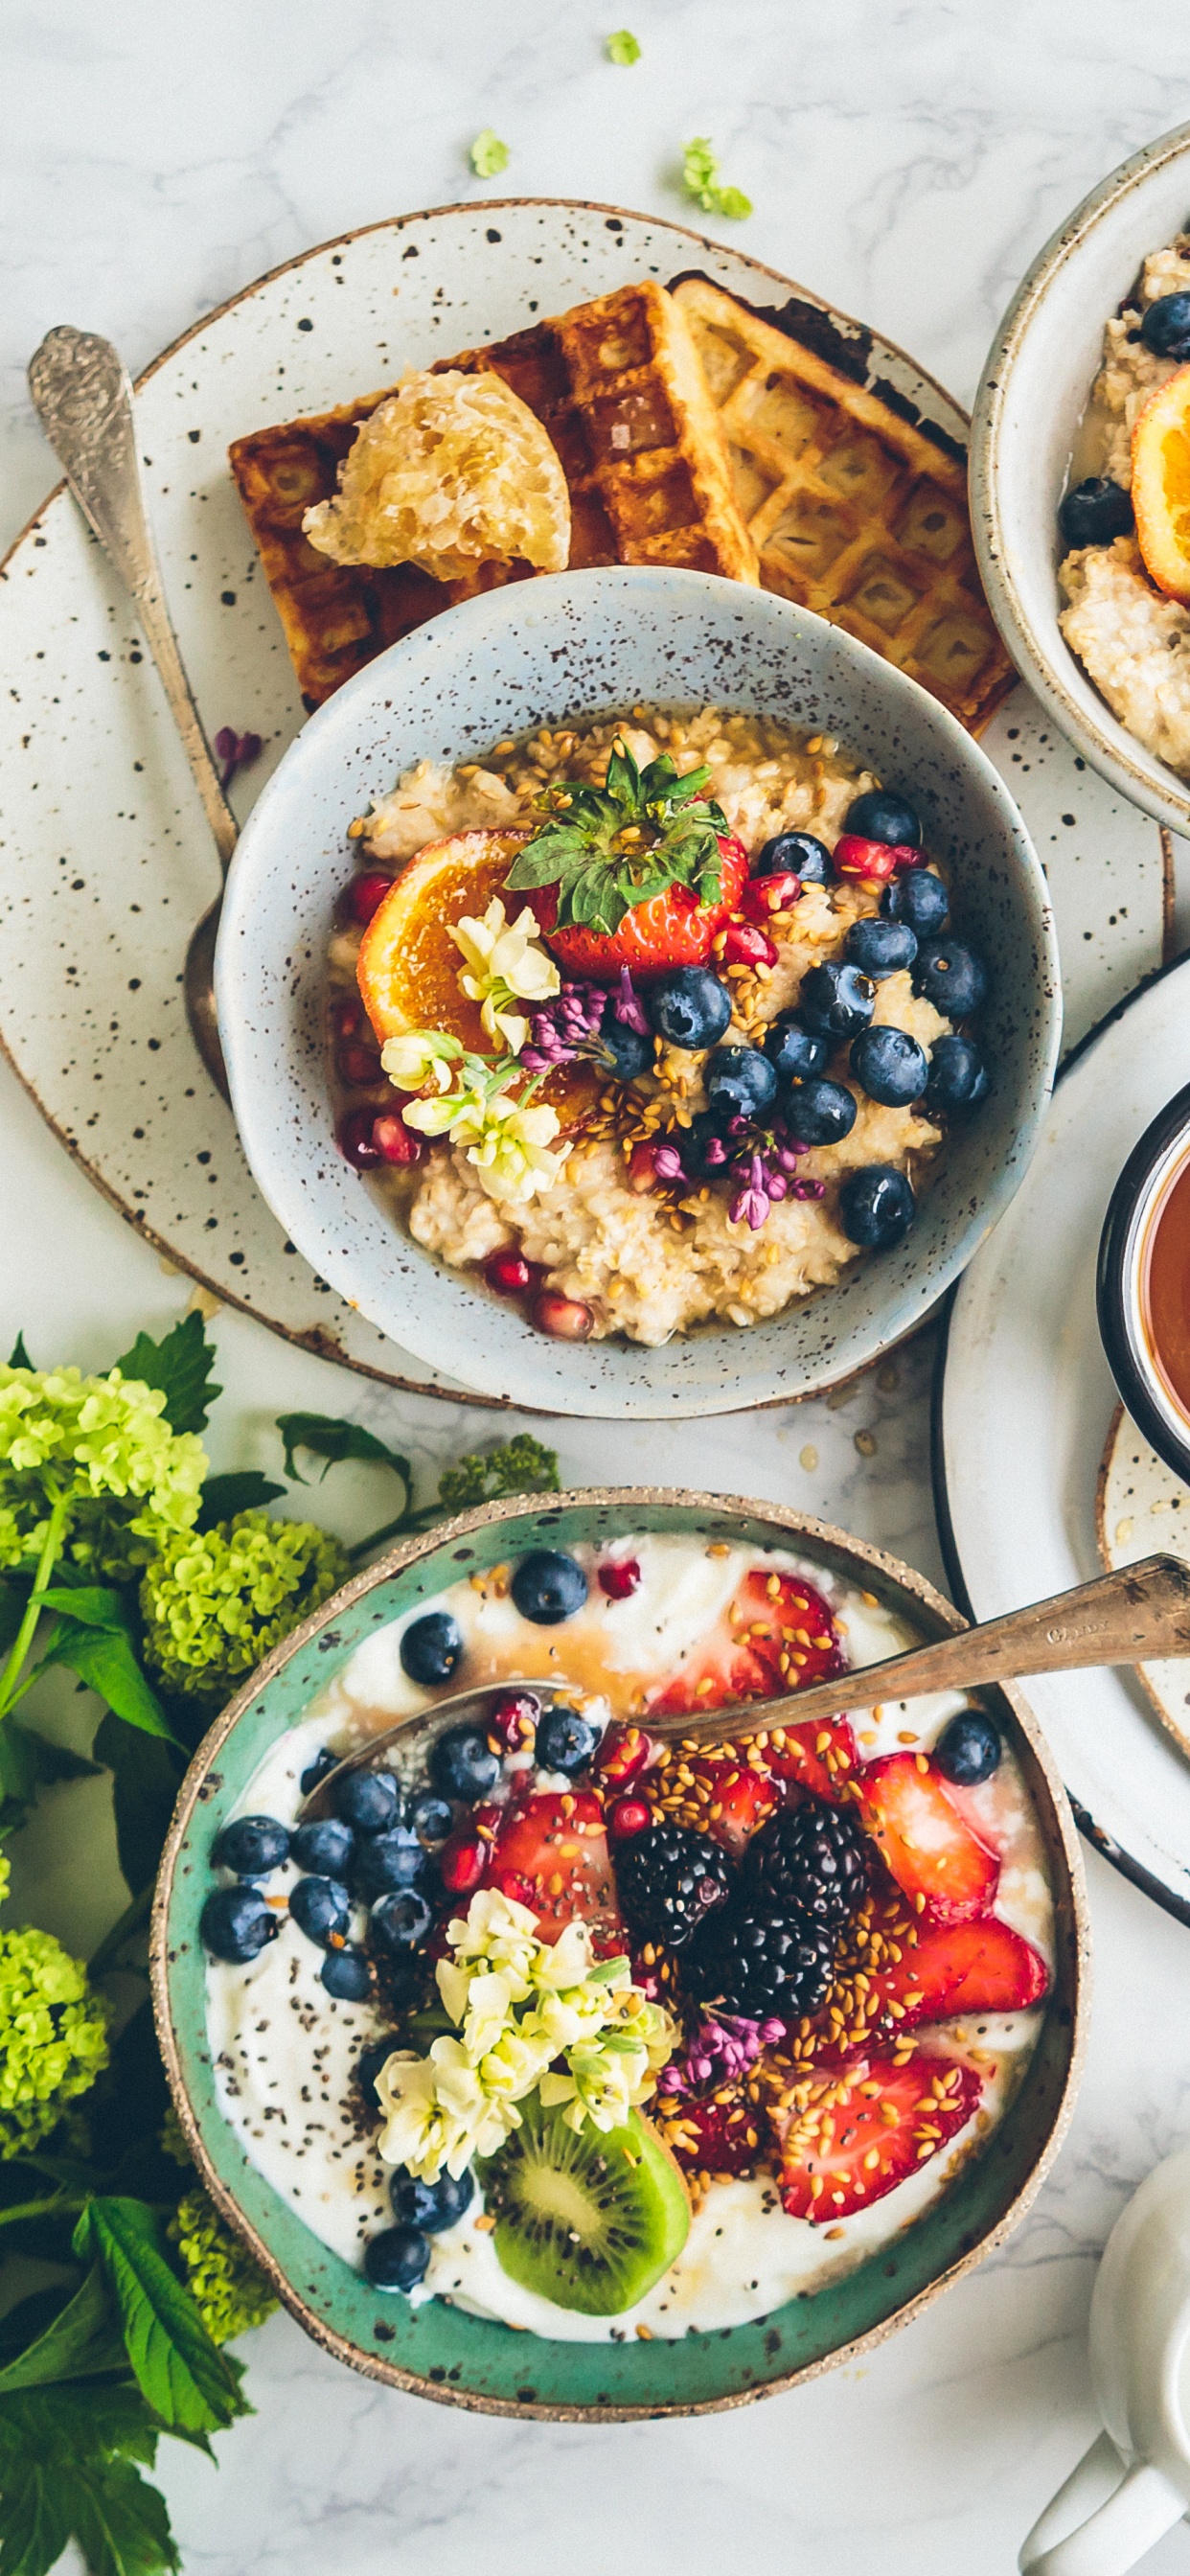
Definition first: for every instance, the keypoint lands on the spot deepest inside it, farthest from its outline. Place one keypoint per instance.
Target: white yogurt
(284, 2050)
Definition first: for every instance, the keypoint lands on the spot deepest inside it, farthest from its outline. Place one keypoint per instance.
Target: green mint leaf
(19, 1357)
(489, 156)
(146, 1775)
(608, 849)
(180, 1367)
(35, 2518)
(82, 2341)
(121, 2523)
(623, 779)
(97, 1644)
(326, 1436)
(67, 2471)
(623, 48)
(181, 2374)
(244, 1490)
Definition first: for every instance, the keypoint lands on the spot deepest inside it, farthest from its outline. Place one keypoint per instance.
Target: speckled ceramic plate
(1140, 1506)
(104, 859)
(1024, 1404)
(436, 2350)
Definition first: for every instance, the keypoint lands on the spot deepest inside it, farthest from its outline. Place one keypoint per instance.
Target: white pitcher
(1140, 2370)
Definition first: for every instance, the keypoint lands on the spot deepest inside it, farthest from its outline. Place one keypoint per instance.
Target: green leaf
(180, 1367)
(245, 1490)
(520, 1466)
(608, 849)
(121, 2523)
(48, 1762)
(180, 2372)
(326, 1436)
(623, 48)
(14, 1601)
(83, 2341)
(67, 2471)
(96, 1642)
(19, 1357)
(146, 1774)
(34, 2517)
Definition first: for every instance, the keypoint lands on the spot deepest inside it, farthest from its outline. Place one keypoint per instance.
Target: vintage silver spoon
(83, 399)
(1129, 1617)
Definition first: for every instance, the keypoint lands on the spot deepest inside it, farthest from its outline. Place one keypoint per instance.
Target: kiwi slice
(588, 2218)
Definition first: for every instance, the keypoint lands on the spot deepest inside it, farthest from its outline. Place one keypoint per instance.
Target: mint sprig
(608, 849)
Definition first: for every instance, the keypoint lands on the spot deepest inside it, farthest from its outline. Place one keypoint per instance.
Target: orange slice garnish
(1161, 485)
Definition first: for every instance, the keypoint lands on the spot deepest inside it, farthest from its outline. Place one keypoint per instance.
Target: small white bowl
(1034, 390)
(581, 643)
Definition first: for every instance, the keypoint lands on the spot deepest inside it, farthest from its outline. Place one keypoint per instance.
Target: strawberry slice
(821, 1757)
(672, 928)
(551, 1854)
(640, 872)
(942, 1866)
(713, 2136)
(739, 1799)
(776, 1635)
(981, 1967)
(862, 2133)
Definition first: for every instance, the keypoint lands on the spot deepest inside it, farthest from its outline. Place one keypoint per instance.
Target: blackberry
(757, 1958)
(810, 1860)
(669, 1880)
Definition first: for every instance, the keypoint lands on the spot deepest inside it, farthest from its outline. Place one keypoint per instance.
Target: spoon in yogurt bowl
(1131, 1616)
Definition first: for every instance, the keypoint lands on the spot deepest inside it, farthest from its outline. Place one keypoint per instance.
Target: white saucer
(1024, 1404)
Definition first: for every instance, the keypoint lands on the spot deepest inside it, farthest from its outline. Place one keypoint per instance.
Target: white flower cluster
(506, 1138)
(531, 2018)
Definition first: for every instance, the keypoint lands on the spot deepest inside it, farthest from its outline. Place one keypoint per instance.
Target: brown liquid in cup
(1165, 1288)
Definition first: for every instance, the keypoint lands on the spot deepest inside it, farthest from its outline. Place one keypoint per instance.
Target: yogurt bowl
(759, 2296)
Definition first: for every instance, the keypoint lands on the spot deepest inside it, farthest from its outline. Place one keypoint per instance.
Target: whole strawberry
(641, 872)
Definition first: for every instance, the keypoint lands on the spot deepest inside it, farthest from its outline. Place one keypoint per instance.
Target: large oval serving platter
(437, 2350)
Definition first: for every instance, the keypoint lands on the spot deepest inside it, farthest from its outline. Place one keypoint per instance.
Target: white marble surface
(906, 161)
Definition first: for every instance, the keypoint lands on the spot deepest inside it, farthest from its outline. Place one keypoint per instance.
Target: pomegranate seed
(355, 1140)
(623, 1751)
(513, 1721)
(629, 1816)
(565, 1317)
(395, 1142)
(620, 1579)
(348, 1017)
(357, 1063)
(744, 944)
(763, 895)
(520, 1891)
(366, 893)
(461, 1861)
(509, 1273)
(876, 860)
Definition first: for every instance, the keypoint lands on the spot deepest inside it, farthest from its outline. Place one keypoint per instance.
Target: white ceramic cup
(1140, 2369)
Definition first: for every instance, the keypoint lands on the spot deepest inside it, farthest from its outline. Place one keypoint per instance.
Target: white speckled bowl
(574, 644)
(1035, 388)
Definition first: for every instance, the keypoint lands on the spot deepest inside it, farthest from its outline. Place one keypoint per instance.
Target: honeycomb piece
(452, 472)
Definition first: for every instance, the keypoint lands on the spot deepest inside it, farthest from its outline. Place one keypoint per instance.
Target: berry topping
(552, 1855)
(369, 1800)
(931, 1851)
(397, 2259)
(857, 2135)
(757, 1959)
(252, 1846)
(744, 943)
(876, 1207)
(794, 854)
(395, 1142)
(958, 1075)
(769, 894)
(346, 1975)
(236, 1922)
(890, 1066)
(810, 1860)
(953, 1968)
(1165, 327)
(566, 1319)
(920, 899)
(623, 1752)
(366, 893)
(778, 1634)
(822, 1756)
(462, 1861)
(629, 1816)
(327, 1846)
(640, 872)
(951, 976)
(735, 1798)
(509, 1274)
(356, 1063)
(836, 1001)
(462, 1764)
(400, 1920)
(740, 1082)
(690, 1008)
(630, 1049)
(874, 861)
(669, 1881)
(565, 1741)
(711, 2136)
(968, 1749)
(820, 1113)
(512, 1719)
(882, 815)
(431, 1650)
(1097, 510)
(548, 1587)
(430, 1818)
(796, 1051)
(430, 2205)
(316, 1771)
(321, 1908)
(355, 1140)
(881, 948)
(387, 1861)
(619, 1578)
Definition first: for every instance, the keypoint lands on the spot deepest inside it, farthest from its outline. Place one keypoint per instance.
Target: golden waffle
(618, 387)
(853, 511)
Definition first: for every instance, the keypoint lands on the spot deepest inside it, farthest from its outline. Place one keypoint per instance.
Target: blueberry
(876, 1206)
(397, 2259)
(324, 1761)
(432, 1648)
(969, 1748)
(565, 1741)
(881, 948)
(1096, 511)
(883, 816)
(705, 1149)
(796, 1051)
(430, 2205)
(327, 1846)
(400, 1920)
(633, 1053)
(320, 1906)
(918, 897)
(252, 1845)
(798, 851)
(548, 1587)
(836, 1001)
(819, 1112)
(951, 976)
(369, 1800)
(463, 1765)
(889, 1066)
(431, 1819)
(1165, 327)
(368, 2064)
(958, 1075)
(386, 1861)
(346, 1975)
(236, 1923)
(690, 1007)
(741, 1082)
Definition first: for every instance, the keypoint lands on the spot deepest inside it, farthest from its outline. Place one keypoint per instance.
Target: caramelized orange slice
(1161, 485)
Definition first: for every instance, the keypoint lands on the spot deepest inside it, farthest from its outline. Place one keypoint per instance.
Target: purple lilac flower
(627, 1006)
(721, 2051)
(565, 1028)
(751, 1198)
(236, 751)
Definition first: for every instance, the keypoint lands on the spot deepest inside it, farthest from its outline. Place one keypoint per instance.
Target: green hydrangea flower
(53, 2037)
(229, 2290)
(214, 1604)
(96, 1447)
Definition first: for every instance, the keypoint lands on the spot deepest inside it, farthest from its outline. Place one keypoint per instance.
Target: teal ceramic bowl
(435, 2350)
